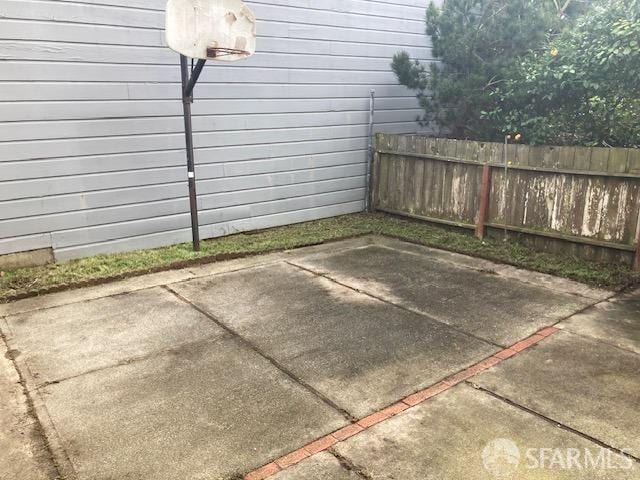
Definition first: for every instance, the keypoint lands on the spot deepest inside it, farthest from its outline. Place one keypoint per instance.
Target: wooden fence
(573, 200)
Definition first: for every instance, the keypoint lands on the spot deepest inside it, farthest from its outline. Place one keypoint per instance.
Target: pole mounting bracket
(195, 75)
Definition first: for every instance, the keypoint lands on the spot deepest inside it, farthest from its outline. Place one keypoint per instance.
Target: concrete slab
(209, 410)
(616, 322)
(454, 435)
(587, 385)
(322, 466)
(145, 386)
(499, 310)
(557, 284)
(361, 353)
(23, 451)
(65, 341)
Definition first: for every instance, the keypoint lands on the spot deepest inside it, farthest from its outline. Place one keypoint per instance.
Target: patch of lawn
(34, 280)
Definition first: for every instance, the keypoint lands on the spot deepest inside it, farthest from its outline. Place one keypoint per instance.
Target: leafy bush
(477, 43)
(560, 72)
(582, 87)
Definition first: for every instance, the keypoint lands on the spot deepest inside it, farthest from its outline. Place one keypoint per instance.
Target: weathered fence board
(576, 200)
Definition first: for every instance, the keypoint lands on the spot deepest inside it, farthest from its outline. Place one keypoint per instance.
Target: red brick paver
(263, 472)
(320, 445)
(292, 458)
(347, 432)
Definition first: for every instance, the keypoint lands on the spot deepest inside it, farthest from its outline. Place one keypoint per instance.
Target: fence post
(485, 192)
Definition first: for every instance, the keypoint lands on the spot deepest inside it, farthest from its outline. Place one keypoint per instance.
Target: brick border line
(326, 442)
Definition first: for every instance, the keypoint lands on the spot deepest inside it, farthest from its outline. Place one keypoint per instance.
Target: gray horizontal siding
(91, 142)
(292, 13)
(42, 149)
(19, 131)
(214, 193)
(158, 56)
(209, 231)
(235, 159)
(69, 91)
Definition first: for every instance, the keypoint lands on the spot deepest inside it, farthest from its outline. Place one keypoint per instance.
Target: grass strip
(31, 281)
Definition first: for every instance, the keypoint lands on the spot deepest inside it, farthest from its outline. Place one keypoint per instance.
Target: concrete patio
(369, 358)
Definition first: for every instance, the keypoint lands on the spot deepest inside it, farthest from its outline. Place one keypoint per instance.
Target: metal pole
(188, 131)
(195, 75)
(368, 202)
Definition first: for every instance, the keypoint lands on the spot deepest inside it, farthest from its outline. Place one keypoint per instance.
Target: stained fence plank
(522, 155)
(634, 161)
(418, 177)
(618, 160)
(599, 159)
(571, 206)
(582, 159)
(536, 156)
(566, 158)
(383, 182)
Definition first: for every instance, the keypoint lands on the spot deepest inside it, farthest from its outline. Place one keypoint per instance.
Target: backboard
(223, 30)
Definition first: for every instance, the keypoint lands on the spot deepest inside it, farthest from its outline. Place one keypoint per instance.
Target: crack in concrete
(393, 304)
(213, 338)
(349, 465)
(554, 422)
(346, 414)
(498, 273)
(177, 266)
(129, 291)
(31, 411)
(596, 339)
(586, 307)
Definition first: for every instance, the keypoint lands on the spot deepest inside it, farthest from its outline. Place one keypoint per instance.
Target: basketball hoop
(220, 30)
(215, 52)
(223, 30)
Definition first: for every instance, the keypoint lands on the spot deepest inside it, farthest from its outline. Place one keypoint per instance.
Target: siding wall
(91, 145)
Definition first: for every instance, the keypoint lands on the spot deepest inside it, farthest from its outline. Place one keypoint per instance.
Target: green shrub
(477, 44)
(559, 72)
(582, 87)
